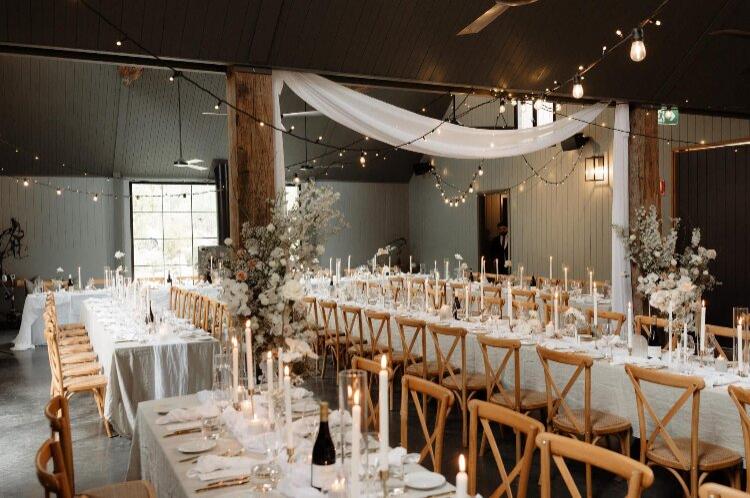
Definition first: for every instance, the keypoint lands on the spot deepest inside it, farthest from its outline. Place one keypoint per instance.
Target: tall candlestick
(447, 270)
(466, 298)
(374, 263)
(426, 283)
(79, 278)
(684, 340)
(703, 327)
(411, 264)
(269, 371)
(596, 308)
(565, 271)
(408, 293)
(330, 267)
(281, 368)
(435, 269)
(235, 368)
(462, 478)
(389, 262)
(481, 297)
(557, 322)
(591, 281)
(288, 408)
(481, 270)
(550, 270)
(630, 327)
(249, 357)
(497, 268)
(521, 278)
(355, 458)
(740, 356)
(383, 409)
(348, 265)
(669, 335)
(509, 303)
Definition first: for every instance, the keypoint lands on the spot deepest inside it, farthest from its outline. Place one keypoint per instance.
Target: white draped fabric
(396, 126)
(621, 291)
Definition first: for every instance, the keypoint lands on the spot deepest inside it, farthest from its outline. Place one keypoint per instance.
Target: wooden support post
(643, 173)
(251, 150)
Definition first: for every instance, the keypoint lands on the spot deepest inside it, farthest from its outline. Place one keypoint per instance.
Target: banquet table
(68, 304)
(611, 389)
(156, 458)
(140, 368)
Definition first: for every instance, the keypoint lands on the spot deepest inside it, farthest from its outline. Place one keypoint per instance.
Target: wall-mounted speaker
(575, 142)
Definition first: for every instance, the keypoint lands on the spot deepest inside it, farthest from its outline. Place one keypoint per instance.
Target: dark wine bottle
(70, 282)
(150, 313)
(323, 471)
(533, 280)
(456, 307)
(208, 277)
(169, 279)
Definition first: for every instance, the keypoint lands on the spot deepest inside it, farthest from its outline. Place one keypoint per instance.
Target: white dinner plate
(424, 480)
(196, 446)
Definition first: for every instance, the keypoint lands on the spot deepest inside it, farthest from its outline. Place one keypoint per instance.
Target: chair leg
(325, 362)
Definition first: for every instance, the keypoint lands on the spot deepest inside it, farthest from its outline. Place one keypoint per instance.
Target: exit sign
(668, 117)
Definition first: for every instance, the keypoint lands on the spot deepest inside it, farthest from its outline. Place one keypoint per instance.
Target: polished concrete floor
(24, 390)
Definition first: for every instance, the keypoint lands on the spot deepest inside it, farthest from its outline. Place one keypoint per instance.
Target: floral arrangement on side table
(265, 271)
(667, 276)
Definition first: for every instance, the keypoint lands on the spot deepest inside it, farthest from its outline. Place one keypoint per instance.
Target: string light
(118, 43)
(58, 191)
(577, 87)
(362, 159)
(25, 182)
(95, 198)
(637, 47)
(217, 105)
(480, 171)
(296, 179)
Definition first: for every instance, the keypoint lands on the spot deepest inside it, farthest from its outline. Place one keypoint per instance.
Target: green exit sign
(668, 117)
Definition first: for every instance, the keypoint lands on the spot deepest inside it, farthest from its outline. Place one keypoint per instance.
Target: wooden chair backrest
(173, 297)
(445, 356)
(712, 331)
(494, 371)
(524, 295)
(56, 481)
(418, 339)
(58, 415)
(379, 325)
(547, 282)
(643, 324)
(436, 295)
(417, 284)
(690, 386)
(549, 310)
(741, 398)
(311, 309)
(556, 397)
(557, 448)
(372, 368)
(330, 320)
(483, 413)
(493, 291)
(494, 305)
(713, 490)
(419, 389)
(610, 316)
(524, 305)
(53, 351)
(353, 319)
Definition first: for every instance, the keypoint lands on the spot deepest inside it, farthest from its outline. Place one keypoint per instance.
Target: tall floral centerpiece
(668, 279)
(266, 268)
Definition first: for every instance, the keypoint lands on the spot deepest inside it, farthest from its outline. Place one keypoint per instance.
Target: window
(169, 223)
(291, 193)
(528, 117)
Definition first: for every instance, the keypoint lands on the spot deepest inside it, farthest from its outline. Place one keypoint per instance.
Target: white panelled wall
(65, 231)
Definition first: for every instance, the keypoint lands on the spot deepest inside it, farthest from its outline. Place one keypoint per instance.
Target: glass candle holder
(353, 417)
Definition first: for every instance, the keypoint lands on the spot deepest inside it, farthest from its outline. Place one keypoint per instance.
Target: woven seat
(131, 489)
(85, 357)
(474, 382)
(69, 341)
(72, 326)
(417, 369)
(530, 400)
(85, 383)
(710, 456)
(80, 369)
(393, 356)
(76, 348)
(601, 423)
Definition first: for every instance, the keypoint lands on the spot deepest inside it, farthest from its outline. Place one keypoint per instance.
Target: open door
(493, 223)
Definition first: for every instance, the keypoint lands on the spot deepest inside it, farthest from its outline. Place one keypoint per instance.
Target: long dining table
(611, 389)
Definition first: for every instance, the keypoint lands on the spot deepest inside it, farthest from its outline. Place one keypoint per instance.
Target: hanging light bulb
(480, 172)
(447, 200)
(118, 43)
(463, 199)
(95, 198)
(296, 179)
(538, 104)
(638, 47)
(25, 182)
(502, 106)
(217, 105)
(59, 191)
(577, 87)
(362, 159)
(471, 189)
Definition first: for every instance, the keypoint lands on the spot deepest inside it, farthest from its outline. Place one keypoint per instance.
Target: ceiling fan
(182, 163)
(491, 14)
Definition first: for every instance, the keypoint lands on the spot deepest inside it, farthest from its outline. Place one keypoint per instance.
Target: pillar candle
(354, 461)
(740, 356)
(235, 367)
(630, 326)
(565, 270)
(596, 308)
(462, 478)
(249, 357)
(288, 408)
(383, 409)
(703, 327)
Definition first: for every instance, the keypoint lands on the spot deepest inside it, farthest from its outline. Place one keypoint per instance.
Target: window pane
(176, 225)
(146, 197)
(147, 225)
(204, 198)
(545, 114)
(177, 198)
(204, 225)
(291, 193)
(148, 271)
(525, 115)
(177, 252)
(147, 252)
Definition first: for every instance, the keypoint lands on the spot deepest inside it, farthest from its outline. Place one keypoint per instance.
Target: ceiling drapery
(398, 127)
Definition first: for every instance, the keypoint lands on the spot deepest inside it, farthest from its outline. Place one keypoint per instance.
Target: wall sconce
(596, 171)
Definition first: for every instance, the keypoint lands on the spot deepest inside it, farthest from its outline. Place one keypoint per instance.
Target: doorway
(493, 225)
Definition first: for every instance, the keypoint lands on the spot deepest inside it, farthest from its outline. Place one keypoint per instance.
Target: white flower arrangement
(458, 257)
(119, 255)
(576, 315)
(228, 242)
(60, 269)
(508, 263)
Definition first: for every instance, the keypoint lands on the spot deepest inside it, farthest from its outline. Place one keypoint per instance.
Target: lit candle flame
(384, 362)
(356, 397)
(234, 342)
(247, 324)
(270, 355)
(286, 371)
(461, 463)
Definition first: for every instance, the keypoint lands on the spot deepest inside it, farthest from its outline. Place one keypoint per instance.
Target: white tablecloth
(68, 305)
(611, 391)
(141, 371)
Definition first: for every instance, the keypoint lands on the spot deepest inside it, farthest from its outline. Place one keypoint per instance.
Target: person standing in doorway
(500, 246)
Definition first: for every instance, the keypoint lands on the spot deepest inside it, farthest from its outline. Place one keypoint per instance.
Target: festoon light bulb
(638, 47)
(577, 87)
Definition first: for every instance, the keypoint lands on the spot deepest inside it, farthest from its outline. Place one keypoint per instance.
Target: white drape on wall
(278, 137)
(621, 291)
(396, 126)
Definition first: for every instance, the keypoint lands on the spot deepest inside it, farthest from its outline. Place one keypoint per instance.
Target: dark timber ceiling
(526, 48)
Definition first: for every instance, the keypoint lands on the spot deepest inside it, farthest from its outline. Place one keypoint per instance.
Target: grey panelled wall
(61, 231)
(570, 222)
(694, 128)
(377, 213)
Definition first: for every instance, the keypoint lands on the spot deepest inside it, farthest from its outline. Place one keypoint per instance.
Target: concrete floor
(24, 390)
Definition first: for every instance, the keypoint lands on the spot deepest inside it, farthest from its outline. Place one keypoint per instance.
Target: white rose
(292, 290)
(228, 241)
(632, 237)
(270, 227)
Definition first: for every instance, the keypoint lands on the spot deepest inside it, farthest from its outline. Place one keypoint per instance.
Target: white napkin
(188, 414)
(209, 467)
(296, 482)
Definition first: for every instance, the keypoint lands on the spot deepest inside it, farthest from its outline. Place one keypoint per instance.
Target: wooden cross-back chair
(678, 454)
(484, 413)
(644, 323)
(516, 398)
(548, 299)
(713, 490)
(741, 398)
(435, 295)
(714, 331)
(556, 448)
(372, 368)
(416, 388)
(373, 290)
(173, 293)
(494, 305)
(335, 340)
(55, 481)
(354, 330)
(453, 373)
(396, 287)
(545, 282)
(417, 284)
(379, 328)
(493, 291)
(413, 336)
(612, 317)
(313, 318)
(585, 423)
(549, 312)
(526, 306)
